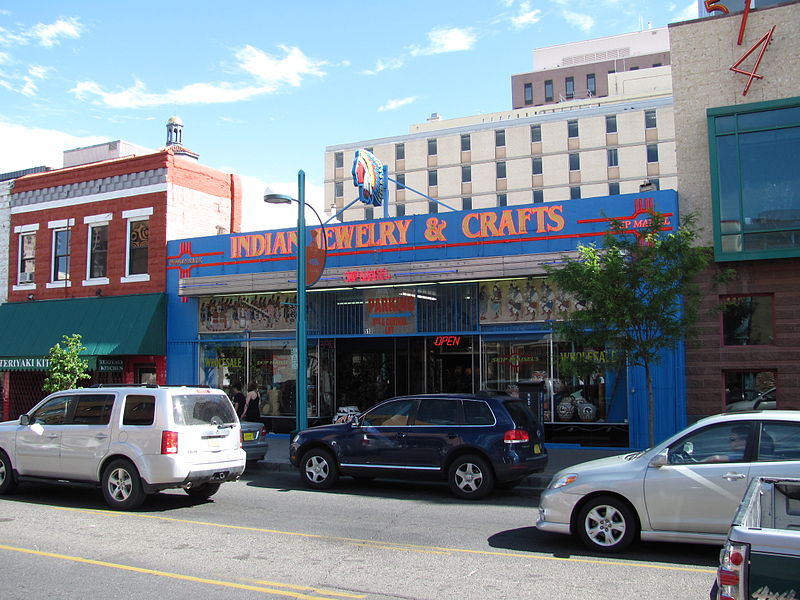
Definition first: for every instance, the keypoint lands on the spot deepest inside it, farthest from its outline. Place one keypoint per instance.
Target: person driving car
(738, 442)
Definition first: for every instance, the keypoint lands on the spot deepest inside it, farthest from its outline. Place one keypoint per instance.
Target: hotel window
(572, 128)
(466, 174)
(538, 196)
(502, 200)
(432, 148)
(466, 203)
(528, 93)
(338, 159)
(536, 133)
(611, 123)
(27, 257)
(500, 137)
(399, 210)
(613, 157)
(537, 165)
(500, 169)
(569, 85)
(399, 151)
(650, 119)
(652, 153)
(747, 321)
(754, 153)
(433, 178)
(138, 242)
(548, 90)
(368, 213)
(466, 142)
(575, 192)
(574, 162)
(433, 207)
(591, 84)
(401, 180)
(97, 256)
(338, 189)
(613, 188)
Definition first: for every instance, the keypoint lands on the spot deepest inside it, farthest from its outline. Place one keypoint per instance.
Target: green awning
(109, 326)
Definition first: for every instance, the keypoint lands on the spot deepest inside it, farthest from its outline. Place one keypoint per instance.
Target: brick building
(87, 254)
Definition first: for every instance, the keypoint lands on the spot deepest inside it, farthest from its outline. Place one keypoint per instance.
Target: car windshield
(202, 409)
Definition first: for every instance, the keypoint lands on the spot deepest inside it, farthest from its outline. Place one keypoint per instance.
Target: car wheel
(7, 480)
(205, 490)
(318, 469)
(470, 477)
(122, 486)
(606, 524)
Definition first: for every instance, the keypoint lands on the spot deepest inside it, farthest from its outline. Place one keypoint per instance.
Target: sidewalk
(560, 457)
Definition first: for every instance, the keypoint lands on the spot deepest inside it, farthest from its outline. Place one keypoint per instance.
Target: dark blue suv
(475, 442)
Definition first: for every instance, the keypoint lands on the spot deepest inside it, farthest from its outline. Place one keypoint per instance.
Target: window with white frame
(60, 257)
(138, 241)
(27, 254)
(97, 249)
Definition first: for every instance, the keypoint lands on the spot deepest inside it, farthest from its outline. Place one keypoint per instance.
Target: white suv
(129, 440)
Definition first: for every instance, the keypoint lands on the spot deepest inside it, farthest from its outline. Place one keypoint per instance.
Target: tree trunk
(650, 419)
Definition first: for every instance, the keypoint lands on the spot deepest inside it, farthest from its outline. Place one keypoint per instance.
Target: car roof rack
(119, 385)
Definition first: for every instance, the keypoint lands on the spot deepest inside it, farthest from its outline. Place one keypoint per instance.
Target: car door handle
(51, 436)
(734, 476)
(102, 436)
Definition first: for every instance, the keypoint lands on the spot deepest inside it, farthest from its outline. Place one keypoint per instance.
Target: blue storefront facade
(444, 302)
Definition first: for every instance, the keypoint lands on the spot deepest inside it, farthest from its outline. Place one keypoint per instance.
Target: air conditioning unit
(26, 277)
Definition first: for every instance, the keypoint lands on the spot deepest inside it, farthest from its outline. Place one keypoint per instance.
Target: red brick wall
(707, 362)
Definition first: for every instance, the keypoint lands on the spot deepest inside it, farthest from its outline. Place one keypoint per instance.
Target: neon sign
(447, 340)
(372, 275)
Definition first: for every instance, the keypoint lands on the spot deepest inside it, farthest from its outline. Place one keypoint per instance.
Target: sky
(263, 87)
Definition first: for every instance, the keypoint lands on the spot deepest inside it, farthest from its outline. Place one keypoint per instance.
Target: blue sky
(263, 87)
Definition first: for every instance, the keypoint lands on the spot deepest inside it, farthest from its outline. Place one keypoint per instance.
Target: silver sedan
(685, 489)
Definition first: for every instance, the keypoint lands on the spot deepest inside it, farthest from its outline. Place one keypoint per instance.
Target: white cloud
(385, 64)
(526, 17)
(270, 73)
(446, 39)
(48, 35)
(397, 103)
(257, 215)
(686, 14)
(26, 147)
(582, 22)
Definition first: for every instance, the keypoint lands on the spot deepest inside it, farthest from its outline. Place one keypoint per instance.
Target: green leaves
(66, 365)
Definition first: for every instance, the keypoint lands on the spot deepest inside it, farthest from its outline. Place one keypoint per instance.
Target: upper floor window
(401, 180)
(537, 165)
(652, 153)
(97, 254)
(569, 85)
(575, 192)
(61, 249)
(433, 178)
(338, 159)
(466, 142)
(138, 243)
(591, 84)
(613, 188)
(432, 147)
(572, 128)
(528, 93)
(500, 170)
(500, 137)
(368, 213)
(338, 189)
(548, 90)
(27, 253)
(611, 123)
(536, 133)
(466, 174)
(502, 200)
(433, 207)
(538, 196)
(399, 209)
(754, 153)
(466, 203)
(650, 119)
(399, 151)
(574, 162)
(747, 320)
(613, 157)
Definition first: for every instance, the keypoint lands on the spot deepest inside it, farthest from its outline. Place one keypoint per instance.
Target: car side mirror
(659, 460)
(24, 420)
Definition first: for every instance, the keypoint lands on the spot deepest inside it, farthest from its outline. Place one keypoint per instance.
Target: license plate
(249, 437)
(537, 449)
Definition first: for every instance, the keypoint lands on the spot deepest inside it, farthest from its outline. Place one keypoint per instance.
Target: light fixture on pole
(301, 377)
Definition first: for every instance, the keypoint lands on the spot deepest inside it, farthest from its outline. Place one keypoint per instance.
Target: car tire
(606, 524)
(203, 491)
(122, 486)
(7, 480)
(318, 469)
(470, 477)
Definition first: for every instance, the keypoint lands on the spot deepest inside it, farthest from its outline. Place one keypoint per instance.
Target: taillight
(516, 436)
(732, 557)
(169, 442)
(263, 432)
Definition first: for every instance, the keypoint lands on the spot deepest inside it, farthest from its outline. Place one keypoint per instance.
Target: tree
(66, 365)
(638, 293)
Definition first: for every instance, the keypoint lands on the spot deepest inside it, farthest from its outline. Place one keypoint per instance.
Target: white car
(129, 440)
(685, 489)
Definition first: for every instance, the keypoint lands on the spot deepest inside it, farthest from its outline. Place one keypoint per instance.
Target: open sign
(447, 340)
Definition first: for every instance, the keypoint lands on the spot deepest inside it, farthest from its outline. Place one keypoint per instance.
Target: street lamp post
(301, 377)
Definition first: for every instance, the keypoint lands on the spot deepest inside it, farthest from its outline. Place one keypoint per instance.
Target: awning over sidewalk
(109, 326)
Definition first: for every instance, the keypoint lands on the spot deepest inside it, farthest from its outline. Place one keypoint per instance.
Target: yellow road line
(359, 541)
(217, 582)
(307, 589)
(394, 547)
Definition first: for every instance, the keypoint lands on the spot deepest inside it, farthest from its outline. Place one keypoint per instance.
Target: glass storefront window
(747, 320)
(222, 364)
(749, 386)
